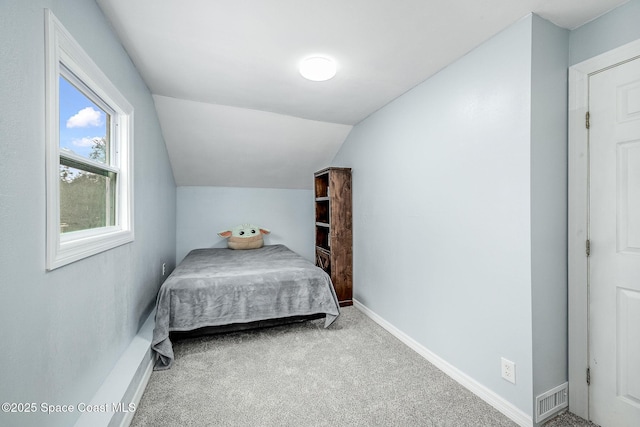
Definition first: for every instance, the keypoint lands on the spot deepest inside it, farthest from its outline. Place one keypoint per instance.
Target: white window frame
(65, 248)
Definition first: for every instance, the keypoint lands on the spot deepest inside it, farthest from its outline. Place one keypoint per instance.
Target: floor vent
(551, 402)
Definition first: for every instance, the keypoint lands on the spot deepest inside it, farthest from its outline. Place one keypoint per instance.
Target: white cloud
(85, 142)
(85, 118)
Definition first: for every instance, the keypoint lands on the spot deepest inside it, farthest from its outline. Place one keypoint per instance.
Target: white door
(614, 234)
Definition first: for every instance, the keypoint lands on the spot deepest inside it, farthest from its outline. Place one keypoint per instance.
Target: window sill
(82, 247)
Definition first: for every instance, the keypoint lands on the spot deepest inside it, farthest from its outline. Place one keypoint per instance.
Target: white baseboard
(125, 383)
(505, 407)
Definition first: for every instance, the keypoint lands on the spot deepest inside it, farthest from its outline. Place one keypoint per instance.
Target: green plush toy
(245, 236)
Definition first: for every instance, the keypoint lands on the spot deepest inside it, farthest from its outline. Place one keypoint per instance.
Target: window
(89, 163)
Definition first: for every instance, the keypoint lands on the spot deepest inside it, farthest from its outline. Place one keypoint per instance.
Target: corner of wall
(549, 84)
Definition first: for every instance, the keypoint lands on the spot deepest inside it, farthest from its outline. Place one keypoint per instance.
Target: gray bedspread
(213, 287)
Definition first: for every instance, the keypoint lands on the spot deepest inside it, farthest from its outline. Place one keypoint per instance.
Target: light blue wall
(462, 274)
(63, 331)
(614, 29)
(205, 211)
(442, 212)
(456, 259)
(550, 51)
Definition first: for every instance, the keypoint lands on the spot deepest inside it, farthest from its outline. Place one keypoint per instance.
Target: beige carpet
(352, 374)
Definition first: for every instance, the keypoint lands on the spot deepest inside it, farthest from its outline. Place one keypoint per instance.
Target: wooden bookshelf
(334, 238)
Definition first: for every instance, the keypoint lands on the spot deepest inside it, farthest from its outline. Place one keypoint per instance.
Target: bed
(215, 287)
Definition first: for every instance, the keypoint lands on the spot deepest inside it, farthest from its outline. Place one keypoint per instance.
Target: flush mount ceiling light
(318, 68)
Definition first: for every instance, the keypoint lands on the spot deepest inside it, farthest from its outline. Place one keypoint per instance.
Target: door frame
(577, 233)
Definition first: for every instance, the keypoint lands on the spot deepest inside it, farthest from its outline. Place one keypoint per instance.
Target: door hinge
(586, 120)
(588, 376)
(588, 247)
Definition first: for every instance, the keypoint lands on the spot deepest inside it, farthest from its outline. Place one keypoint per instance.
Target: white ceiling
(233, 108)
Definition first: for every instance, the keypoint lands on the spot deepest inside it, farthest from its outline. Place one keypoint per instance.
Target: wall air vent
(552, 401)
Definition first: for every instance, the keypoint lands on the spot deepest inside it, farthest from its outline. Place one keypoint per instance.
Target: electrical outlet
(508, 370)
(164, 268)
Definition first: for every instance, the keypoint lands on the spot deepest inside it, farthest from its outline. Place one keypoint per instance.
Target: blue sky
(80, 120)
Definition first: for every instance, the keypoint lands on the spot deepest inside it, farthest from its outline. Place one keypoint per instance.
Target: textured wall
(441, 187)
(63, 331)
(614, 29)
(204, 211)
(549, 204)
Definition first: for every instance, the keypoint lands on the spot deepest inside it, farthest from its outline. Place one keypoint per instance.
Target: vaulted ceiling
(234, 109)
